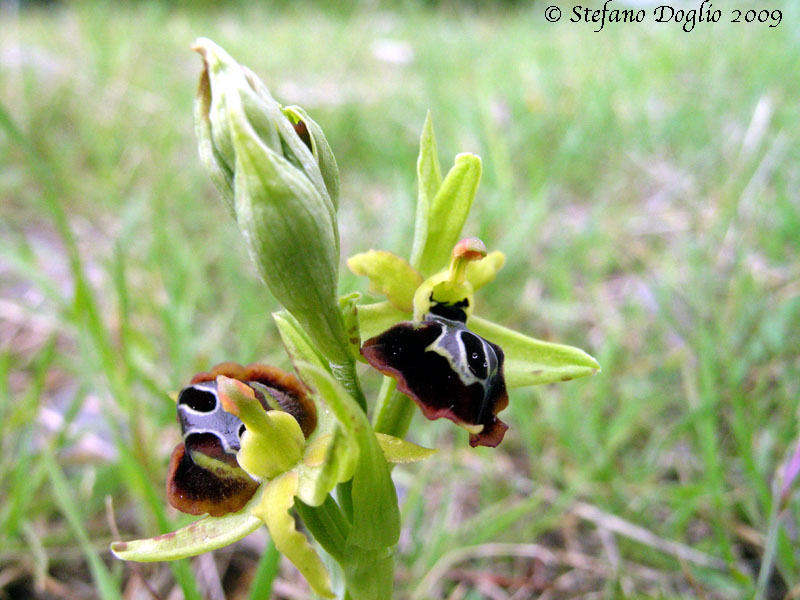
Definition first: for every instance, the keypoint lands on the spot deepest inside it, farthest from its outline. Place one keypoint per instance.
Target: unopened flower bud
(279, 179)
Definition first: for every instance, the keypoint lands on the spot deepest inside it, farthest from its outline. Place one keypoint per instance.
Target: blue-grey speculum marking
(200, 411)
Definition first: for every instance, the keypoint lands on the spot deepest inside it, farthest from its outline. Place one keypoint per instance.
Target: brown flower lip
(448, 371)
(204, 476)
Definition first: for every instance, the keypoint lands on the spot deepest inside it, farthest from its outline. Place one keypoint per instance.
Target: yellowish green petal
(207, 534)
(529, 361)
(389, 275)
(483, 271)
(376, 318)
(277, 499)
(397, 450)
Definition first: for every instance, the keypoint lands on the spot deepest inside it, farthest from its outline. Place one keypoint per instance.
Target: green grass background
(642, 181)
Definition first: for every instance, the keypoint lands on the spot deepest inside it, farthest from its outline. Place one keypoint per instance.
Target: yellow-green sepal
(389, 275)
(204, 535)
(529, 361)
(273, 509)
(448, 212)
(429, 180)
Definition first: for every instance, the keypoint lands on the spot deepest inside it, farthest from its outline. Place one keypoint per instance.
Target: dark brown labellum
(448, 371)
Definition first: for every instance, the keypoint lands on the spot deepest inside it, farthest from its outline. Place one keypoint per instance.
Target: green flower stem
(394, 410)
(369, 574)
(345, 374)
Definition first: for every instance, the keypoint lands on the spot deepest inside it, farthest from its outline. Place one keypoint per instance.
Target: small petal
(273, 509)
(389, 275)
(448, 371)
(532, 362)
(201, 536)
(481, 272)
(378, 317)
(398, 451)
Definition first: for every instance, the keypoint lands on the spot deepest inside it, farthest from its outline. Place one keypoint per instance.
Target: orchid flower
(452, 363)
(255, 445)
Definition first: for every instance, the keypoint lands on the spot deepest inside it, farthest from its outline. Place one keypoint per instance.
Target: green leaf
(209, 533)
(529, 361)
(397, 451)
(448, 213)
(429, 179)
(377, 318)
(297, 343)
(107, 586)
(389, 275)
(376, 518)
